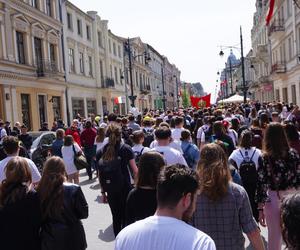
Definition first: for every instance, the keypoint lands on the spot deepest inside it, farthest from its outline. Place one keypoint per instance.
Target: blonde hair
(213, 172)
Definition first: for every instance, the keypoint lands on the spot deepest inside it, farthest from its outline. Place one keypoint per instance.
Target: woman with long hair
(292, 136)
(69, 150)
(99, 140)
(63, 206)
(223, 209)
(278, 175)
(247, 156)
(115, 179)
(20, 214)
(141, 201)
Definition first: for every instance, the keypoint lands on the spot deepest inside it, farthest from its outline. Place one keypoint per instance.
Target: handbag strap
(75, 153)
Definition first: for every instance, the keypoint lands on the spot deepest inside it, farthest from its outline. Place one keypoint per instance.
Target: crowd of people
(174, 179)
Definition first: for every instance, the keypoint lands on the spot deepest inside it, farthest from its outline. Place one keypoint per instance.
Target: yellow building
(32, 86)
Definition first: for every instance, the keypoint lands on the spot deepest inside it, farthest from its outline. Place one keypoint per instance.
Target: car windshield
(35, 140)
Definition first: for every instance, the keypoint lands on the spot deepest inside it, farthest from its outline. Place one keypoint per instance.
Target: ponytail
(114, 139)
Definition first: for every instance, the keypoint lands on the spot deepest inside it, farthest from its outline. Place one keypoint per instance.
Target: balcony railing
(276, 26)
(145, 89)
(46, 68)
(108, 83)
(279, 67)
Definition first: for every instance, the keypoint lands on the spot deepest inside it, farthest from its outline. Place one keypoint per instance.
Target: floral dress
(277, 175)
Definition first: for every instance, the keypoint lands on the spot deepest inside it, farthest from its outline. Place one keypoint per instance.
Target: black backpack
(149, 137)
(208, 134)
(189, 160)
(137, 156)
(111, 177)
(247, 170)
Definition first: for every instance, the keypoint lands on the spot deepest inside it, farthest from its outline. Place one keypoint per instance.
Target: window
(116, 74)
(114, 49)
(48, 7)
(111, 73)
(109, 45)
(136, 79)
(88, 32)
(290, 49)
(78, 107)
(294, 98)
(69, 20)
(288, 8)
(91, 107)
(100, 44)
(34, 3)
(121, 76)
(39, 56)
(56, 107)
(42, 109)
(101, 73)
(20, 47)
(90, 66)
(81, 62)
(285, 95)
(71, 60)
(119, 51)
(26, 117)
(79, 27)
(52, 53)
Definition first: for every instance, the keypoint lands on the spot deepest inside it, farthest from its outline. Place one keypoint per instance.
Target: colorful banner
(200, 102)
(270, 13)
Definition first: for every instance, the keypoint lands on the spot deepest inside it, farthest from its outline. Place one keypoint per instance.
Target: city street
(98, 226)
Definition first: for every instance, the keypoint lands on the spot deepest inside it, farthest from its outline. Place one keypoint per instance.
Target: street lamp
(221, 53)
(133, 97)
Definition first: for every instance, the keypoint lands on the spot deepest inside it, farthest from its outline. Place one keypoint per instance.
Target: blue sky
(188, 32)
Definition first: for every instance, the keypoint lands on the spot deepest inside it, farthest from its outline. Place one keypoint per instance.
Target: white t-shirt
(176, 133)
(35, 174)
(238, 158)
(68, 157)
(162, 233)
(201, 134)
(174, 144)
(170, 155)
(100, 145)
(2, 134)
(137, 148)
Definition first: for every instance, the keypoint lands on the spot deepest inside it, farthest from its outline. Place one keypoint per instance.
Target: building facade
(32, 86)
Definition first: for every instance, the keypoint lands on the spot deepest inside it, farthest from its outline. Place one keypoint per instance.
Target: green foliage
(185, 99)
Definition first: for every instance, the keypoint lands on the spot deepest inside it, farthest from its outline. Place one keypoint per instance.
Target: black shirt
(26, 140)
(141, 203)
(126, 154)
(20, 224)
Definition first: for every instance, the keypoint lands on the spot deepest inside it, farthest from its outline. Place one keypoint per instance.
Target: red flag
(270, 13)
(203, 101)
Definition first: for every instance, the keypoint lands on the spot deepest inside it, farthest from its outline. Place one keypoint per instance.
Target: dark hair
(264, 120)
(60, 133)
(178, 120)
(158, 121)
(68, 140)
(10, 145)
(137, 136)
(124, 120)
(218, 128)
(235, 124)
(255, 123)
(291, 132)
(164, 124)
(112, 117)
(150, 165)
(51, 189)
(114, 134)
(88, 124)
(163, 133)
(131, 118)
(173, 183)
(275, 142)
(290, 220)
(100, 135)
(17, 173)
(185, 135)
(246, 139)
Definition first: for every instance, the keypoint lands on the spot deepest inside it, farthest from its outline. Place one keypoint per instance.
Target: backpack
(189, 160)
(149, 137)
(208, 134)
(137, 156)
(247, 171)
(111, 177)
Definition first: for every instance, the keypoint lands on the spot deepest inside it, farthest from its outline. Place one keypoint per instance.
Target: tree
(185, 99)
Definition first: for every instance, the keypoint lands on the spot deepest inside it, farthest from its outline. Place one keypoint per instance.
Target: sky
(188, 32)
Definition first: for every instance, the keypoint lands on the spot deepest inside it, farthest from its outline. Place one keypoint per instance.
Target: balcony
(279, 67)
(276, 27)
(46, 68)
(145, 89)
(107, 83)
